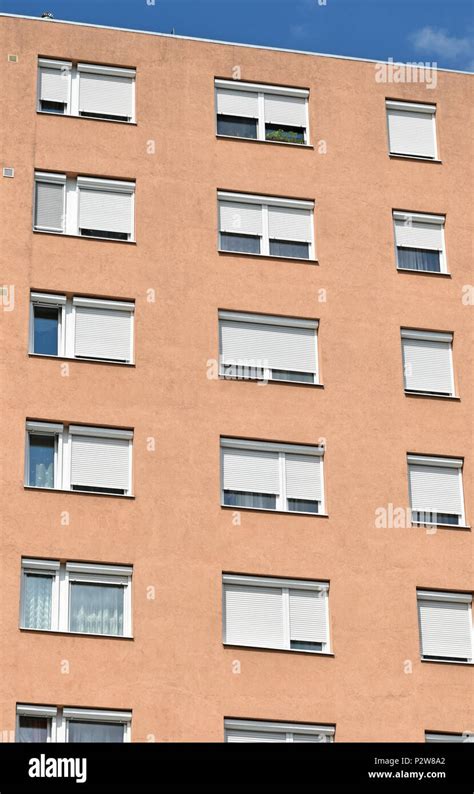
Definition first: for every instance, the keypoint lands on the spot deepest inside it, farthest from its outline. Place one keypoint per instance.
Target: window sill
(463, 527)
(236, 508)
(84, 237)
(278, 650)
(257, 140)
(79, 493)
(263, 382)
(423, 272)
(85, 118)
(446, 661)
(394, 156)
(429, 396)
(76, 633)
(85, 360)
(268, 256)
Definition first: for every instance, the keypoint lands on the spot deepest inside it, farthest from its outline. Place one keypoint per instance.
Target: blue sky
(440, 31)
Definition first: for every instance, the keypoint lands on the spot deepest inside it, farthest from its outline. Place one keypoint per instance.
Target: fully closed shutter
(445, 629)
(411, 132)
(235, 735)
(418, 234)
(240, 218)
(427, 366)
(105, 94)
(286, 110)
(54, 84)
(274, 346)
(303, 477)
(103, 333)
(49, 206)
(237, 103)
(435, 489)
(308, 616)
(286, 223)
(100, 462)
(248, 470)
(253, 616)
(103, 210)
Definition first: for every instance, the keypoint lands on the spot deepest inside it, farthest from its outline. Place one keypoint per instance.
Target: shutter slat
(54, 84)
(286, 110)
(285, 223)
(445, 629)
(105, 94)
(49, 205)
(237, 103)
(435, 489)
(427, 365)
(419, 235)
(253, 616)
(103, 333)
(234, 735)
(281, 347)
(308, 616)
(100, 462)
(103, 210)
(240, 218)
(246, 470)
(411, 132)
(303, 477)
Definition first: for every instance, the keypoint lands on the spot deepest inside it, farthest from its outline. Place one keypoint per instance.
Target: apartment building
(236, 394)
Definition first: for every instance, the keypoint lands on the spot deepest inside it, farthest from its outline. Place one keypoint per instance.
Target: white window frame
(72, 186)
(414, 107)
(417, 217)
(62, 458)
(63, 575)
(58, 728)
(450, 597)
(453, 463)
(265, 202)
(73, 70)
(67, 323)
(288, 729)
(282, 449)
(432, 737)
(430, 336)
(261, 89)
(285, 585)
(267, 319)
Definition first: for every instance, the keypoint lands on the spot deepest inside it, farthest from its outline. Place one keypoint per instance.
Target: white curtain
(80, 731)
(33, 729)
(37, 601)
(96, 609)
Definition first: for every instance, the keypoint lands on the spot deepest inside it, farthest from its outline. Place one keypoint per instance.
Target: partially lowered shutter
(239, 735)
(102, 332)
(435, 489)
(303, 477)
(248, 470)
(287, 223)
(411, 131)
(272, 346)
(427, 365)
(411, 232)
(237, 103)
(49, 206)
(106, 94)
(308, 621)
(239, 218)
(100, 462)
(445, 628)
(253, 616)
(55, 82)
(286, 110)
(102, 209)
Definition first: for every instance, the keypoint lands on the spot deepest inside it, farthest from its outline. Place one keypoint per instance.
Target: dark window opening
(306, 646)
(32, 729)
(53, 107)
(105, 234)
(107, 116)
(93, 489)
(45, 326)
(303, 506)
(421, 517)
(236, 126)
(283, 374)
(41, 459)
(249, 499)
(289, 248)
(284, 133)
(240, 243)
(447, 658)
(241, 371)
(419, 259)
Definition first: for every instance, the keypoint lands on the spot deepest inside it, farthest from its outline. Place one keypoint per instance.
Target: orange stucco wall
(175, 674)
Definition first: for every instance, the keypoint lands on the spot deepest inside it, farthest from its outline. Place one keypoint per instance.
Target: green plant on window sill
(285, 136)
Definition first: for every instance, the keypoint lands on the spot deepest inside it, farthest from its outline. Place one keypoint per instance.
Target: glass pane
(283, 374)
(418, 259)
(33, 729)
(421, 517)
(247, 499)
(303, 506)
(236, 126)
(42, 461)
(242, 371)
(96, 608)
(46, 323)
(108, 235)
(242, 243)
(37, 597)
(48, 106)
(275, 132)
(306, 646)
(289, 248)
(80, 731)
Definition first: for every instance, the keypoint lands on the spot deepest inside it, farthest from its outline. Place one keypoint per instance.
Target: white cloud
(438, 43)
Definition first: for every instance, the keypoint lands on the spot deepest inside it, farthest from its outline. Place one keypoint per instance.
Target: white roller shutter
(104, 210)
(435, 489)
(246, 470)
(303, 477)
(54, 84)
(286, 223)
(237, 103)
(281, 347)
(105, 94)
(240, 218)
(49, 206)
(445, 628)
(235, 735)
(411, 233)
(427, 365)
(254, 616)
(308, 616)
(411, 132)
(286, 110)
(100, 462)
(103, 333)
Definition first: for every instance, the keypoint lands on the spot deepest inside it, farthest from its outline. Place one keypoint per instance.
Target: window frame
(449, 463)
(448, 596)
(432, 737)
(429, 336)
(421, 217)
(58, 729)
(414, 107)
(290, 729)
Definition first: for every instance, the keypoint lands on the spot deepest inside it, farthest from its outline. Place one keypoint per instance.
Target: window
(419, 241)
(427, 362)
(84, 328)
(270, 476)
(456, 738)
(436, 492)
(445, 622)
(76, 597)
(259, 731)
(262, 112)
(412, 129)
(286, 614)
(52, 724)
(86, 89)
(84, 206)
(79, 458)
(265, 347)
(267, 226)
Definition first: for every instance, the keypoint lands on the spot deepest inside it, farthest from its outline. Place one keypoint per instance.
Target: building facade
(236, 394)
